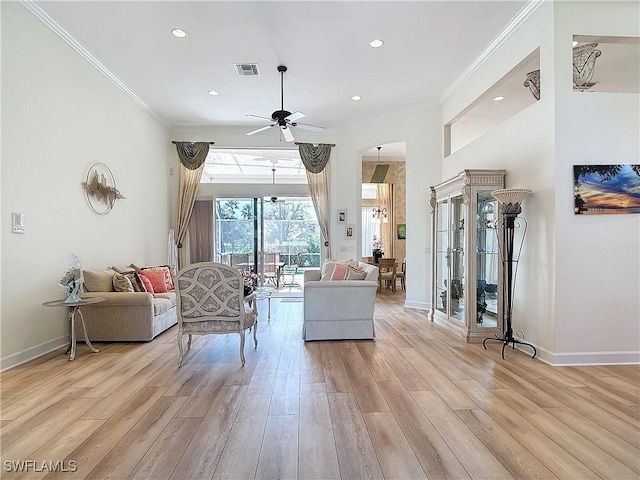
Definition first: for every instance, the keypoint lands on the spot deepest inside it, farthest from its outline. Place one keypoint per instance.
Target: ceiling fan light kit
(284, 118)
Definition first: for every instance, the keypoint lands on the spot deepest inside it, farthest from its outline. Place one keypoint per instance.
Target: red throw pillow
(148, 287)
(157, 279)
(168, 279)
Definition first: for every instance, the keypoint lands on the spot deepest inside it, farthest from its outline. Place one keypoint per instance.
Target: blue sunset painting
(606, 189)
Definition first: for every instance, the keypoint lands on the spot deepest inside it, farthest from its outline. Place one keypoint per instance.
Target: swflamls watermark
(40, 466)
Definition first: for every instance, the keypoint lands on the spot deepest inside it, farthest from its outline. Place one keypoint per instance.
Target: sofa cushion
(171, 296)
(166, 271)
(329, 265)
(136, 281)
(161, 305)
(356, 273)
(148, 286)
(339, 272)
(121, 283)
(98, 281)
(157, 279)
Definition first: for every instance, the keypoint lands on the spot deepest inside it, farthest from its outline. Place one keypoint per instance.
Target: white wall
(598, 256)
(59, 116)
(421, 133)
(565, 256)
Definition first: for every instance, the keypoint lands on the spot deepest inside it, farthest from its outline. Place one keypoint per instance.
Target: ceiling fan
(283, 118)
(273, 198)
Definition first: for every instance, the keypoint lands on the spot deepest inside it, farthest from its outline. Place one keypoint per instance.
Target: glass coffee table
(74, 309)
(262, 293)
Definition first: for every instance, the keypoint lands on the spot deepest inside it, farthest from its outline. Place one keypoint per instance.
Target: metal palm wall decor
(100, 189)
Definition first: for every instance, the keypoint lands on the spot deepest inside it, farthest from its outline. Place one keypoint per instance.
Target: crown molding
(88, 56)
(490, 49)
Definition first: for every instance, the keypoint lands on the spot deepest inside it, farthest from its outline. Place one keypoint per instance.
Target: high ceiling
(325, 45)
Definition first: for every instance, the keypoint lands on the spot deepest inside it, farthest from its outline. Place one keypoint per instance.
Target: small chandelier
(380, 215)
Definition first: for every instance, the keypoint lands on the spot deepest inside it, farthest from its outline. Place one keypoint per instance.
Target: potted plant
(481, 306)
(376, 249)
(456, 294)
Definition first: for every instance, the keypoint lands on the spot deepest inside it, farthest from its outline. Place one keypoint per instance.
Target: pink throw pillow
(157, 280)
(339, 272)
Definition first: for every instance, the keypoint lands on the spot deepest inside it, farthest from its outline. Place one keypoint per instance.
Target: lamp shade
(510, 195)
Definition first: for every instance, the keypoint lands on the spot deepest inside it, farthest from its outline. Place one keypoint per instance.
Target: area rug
(291, 300)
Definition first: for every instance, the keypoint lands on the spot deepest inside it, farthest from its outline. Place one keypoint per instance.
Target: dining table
(274, 265)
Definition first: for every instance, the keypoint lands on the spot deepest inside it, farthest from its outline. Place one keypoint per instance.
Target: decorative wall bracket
(100, 189)
(584, 64)
(533, 83)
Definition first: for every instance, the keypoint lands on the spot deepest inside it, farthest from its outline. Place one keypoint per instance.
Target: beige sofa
(124, 316)
(339, 310)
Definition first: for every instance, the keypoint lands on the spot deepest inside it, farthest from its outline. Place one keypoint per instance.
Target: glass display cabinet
(466, 278)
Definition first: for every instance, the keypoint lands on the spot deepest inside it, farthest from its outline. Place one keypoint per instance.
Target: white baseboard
(417, 305)
(32, 353)
(581, 359)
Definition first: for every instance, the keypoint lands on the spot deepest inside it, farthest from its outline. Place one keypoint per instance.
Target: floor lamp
(511, 200)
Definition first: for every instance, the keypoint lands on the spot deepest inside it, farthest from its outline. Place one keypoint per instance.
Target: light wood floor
(415, 403)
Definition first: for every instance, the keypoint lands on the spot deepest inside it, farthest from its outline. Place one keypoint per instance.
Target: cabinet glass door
(442, 254)
(457, 289)
(487, 261)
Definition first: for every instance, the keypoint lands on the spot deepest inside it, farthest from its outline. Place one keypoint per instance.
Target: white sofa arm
(311, 275)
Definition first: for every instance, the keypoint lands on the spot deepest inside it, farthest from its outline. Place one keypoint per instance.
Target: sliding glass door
(263, 235)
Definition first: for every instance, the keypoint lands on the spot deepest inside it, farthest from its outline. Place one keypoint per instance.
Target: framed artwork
(342, 216)
(402, 231)
(349, 232)
(606, 189)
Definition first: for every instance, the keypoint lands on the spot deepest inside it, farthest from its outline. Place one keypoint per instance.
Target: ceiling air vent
(247, 69)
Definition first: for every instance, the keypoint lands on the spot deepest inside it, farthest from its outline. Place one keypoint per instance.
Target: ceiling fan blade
(286, 133)
(261, 129)
(294, 116)
(312, 128)
(261, 118)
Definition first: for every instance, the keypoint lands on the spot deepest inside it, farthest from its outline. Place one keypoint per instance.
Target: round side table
(74, 308)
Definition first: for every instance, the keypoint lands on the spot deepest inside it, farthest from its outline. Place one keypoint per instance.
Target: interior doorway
(383, 200)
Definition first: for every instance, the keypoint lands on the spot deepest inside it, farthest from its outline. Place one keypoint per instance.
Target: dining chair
(387, 274)
(210, 300)
(401, 274)
(290, 269)
(271, 267)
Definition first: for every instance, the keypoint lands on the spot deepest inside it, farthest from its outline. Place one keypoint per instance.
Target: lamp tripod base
(498, 336)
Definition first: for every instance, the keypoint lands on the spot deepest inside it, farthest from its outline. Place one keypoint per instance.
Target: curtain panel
(387, 231)
(316, 162)
(314, 158)
(192, 156)
(201, 232)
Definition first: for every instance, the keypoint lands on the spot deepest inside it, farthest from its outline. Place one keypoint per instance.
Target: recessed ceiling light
(178, 32)
(356, 98)
(498, 98)
(212, 92)
(574, 44)
(377, 43)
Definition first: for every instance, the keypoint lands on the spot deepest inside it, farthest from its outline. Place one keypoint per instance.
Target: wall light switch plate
(17, 222)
